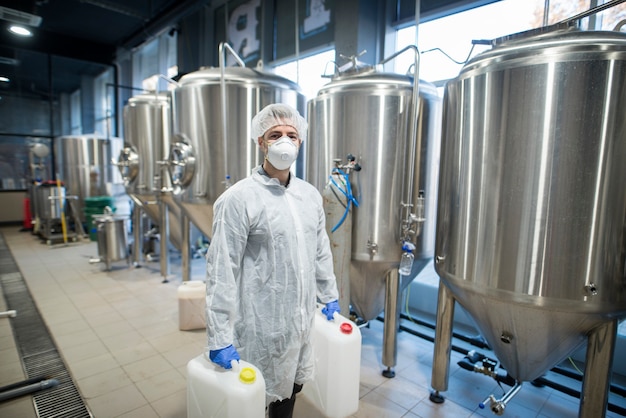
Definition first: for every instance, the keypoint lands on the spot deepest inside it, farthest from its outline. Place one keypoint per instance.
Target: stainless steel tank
(531, 229)
(147, 140)
(83, 163)
(213, 148)
(48, 201)
(369, 114)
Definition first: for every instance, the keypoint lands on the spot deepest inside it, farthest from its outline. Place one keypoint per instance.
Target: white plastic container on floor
(214, 392)
(191, 305)
(337, 349)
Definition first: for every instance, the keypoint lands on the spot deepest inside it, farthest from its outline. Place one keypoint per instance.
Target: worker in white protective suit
(268, 264)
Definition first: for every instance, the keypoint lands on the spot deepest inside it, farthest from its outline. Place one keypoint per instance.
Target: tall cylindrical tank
(147, 140)
(213, 108)
(369, 114)
(531, 224)
(84, 163)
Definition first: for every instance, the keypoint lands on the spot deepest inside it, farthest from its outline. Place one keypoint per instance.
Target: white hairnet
(275, 115)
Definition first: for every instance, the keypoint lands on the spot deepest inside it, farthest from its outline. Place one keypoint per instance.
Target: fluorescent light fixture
(20, 30)
(4, 79)
(9, 61)
(19, 17)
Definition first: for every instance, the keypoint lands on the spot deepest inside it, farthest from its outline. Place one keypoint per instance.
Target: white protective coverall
(268, 260)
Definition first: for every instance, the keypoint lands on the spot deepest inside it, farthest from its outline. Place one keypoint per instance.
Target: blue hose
(347, 193)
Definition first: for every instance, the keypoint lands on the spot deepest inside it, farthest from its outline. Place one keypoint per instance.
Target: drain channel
(39, 354)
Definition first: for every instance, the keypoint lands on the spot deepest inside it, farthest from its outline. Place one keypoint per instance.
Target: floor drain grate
(39, 354)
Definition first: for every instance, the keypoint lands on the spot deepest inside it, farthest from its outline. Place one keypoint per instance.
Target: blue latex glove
(224, 356)
(330, 309)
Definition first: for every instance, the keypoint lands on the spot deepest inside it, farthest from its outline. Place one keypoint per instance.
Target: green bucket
(99, 202)
(95, 206)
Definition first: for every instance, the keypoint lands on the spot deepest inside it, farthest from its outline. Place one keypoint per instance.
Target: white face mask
(282, 153)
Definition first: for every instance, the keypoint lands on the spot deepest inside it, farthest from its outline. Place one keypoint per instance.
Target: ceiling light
(19, 17)
(20, 30)
(9, 61)
(4, 79)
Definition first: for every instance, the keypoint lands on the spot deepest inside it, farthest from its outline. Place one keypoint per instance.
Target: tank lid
(345, 328)
(213, 75)
(247, 375)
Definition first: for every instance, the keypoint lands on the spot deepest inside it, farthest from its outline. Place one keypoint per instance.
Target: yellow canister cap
(247, 375)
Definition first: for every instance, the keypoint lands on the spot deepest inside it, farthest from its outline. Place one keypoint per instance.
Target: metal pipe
(185, 248)
(223, 48)
(618, 27)
(414, 159)
(591, 11)
(8, 314)
(22, 383)
(137, 235)
(499, 405)
(598, 364)
(414, 116)
(392, 318)
(164, 229)
(546, 12)
(24, 390)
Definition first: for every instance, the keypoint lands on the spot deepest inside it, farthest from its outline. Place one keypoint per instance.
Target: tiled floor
(118, 334)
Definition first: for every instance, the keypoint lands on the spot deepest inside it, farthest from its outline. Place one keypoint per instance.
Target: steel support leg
(443, 342)
(598, 365)
(186, 249)
(164, 231)
(137, 235)
(392, 318)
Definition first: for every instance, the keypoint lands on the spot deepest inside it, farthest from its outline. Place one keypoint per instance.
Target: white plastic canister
(213, 391)
(191, 305)
(337, 349)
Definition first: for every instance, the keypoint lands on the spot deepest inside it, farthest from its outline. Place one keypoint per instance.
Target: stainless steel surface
(112, 239)
(443, 339)
(339, 241)
(211, 155)
(147, 132)
(164, 230)
(368, 115)
(392, 319)
(147, 140)
(186, 263)
(83, 163)
(531, 229)
(49, 198)
(138, 231)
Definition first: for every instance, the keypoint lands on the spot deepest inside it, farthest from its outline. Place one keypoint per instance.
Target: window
(446, 43)
(308, 72)
(76, 125)
(154, 60)
(104, 107)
